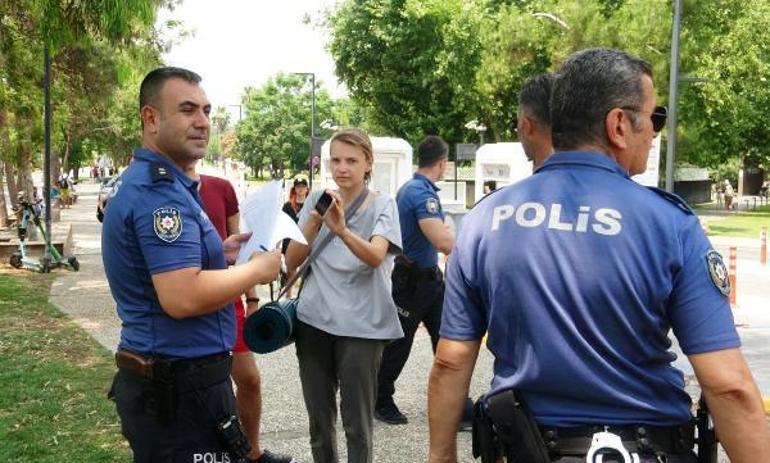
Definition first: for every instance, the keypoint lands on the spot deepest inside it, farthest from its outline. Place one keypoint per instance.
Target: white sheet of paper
(261, 214)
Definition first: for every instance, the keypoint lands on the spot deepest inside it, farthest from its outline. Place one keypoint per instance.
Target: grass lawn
(53, 382)
(745, 224)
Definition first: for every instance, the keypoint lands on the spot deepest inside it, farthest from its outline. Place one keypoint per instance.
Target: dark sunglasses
(658, 117)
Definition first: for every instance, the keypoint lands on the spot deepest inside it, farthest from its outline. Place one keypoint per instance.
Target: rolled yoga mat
(271, 327)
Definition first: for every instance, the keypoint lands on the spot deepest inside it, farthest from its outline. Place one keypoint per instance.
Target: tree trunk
(65, 163)
(10, 178)
(25, 174)
(55, 167)
(3, 205)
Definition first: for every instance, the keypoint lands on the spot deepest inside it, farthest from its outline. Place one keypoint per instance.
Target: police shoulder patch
(718, 272)
(167, 222)
(432, 206)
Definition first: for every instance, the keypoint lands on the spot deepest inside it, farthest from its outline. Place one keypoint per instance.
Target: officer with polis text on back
(167, 270)
(578, 274)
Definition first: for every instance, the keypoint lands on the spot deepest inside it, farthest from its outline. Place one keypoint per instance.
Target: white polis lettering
(554, 222)
(532, 214)
(582, 221)
(537, 219)
(211, 457)
(499, 214)
(610, 222)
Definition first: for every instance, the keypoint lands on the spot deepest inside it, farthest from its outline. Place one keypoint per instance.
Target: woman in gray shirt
(346, 312)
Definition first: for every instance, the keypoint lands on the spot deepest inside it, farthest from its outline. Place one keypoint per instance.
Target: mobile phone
(323, 203)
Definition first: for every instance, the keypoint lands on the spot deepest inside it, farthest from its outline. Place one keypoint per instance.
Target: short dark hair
(587, 86)
(535, 98)
(430, 151)
(154, 80)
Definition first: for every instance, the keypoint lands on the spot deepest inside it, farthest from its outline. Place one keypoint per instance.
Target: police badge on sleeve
(718, 272)
(432, 206)
(167, 222)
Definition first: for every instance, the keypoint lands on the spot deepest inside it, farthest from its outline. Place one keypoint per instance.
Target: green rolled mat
(271, 327)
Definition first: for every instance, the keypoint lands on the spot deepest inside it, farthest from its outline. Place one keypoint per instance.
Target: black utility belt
(636, 438)
(183, 374)
(428, 273)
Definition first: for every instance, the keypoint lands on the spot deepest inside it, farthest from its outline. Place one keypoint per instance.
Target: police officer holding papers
(578, 274)
(168, 271)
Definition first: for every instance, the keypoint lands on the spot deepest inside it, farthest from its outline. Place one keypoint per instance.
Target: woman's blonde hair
(359, 138)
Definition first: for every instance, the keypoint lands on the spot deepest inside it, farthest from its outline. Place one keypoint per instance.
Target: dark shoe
(269, 457)
(389, 413)
(466, 423)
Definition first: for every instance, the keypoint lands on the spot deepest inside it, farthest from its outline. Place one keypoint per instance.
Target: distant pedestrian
(729, 193)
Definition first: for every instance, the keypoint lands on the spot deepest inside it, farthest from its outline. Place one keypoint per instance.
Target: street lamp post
(672, 97)
(312, 124)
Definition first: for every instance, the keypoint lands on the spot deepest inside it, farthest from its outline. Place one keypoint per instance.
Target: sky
(240, 43)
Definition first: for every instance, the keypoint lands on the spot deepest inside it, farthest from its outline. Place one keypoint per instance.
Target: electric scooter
(20, 259)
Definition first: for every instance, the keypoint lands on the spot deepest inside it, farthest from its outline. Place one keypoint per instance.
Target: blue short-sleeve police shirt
(418, 199)
(154, 223)
(578, 274)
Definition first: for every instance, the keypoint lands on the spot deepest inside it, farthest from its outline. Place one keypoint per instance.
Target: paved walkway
(85, 296)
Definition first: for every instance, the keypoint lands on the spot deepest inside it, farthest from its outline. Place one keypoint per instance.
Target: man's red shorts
(240, 320)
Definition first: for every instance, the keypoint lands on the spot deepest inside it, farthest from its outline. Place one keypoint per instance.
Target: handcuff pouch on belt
(515, 433)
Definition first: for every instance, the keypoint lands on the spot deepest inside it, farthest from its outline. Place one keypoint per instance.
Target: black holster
(164, 392)
(707, 439)
(485, 443)
(516, 429)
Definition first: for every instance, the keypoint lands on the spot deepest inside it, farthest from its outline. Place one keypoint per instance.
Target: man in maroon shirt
(221, 205)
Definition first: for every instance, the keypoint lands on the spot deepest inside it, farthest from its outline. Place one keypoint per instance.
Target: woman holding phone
(346, 312)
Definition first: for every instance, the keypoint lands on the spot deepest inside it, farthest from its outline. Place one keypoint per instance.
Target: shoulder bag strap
(322, 242)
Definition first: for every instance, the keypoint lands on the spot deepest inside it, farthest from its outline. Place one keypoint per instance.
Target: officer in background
(533, 123)
(167, 270)
(578, 274)
(418, 285)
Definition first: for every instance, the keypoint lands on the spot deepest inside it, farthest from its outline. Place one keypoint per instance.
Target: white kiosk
(502, 163)
(392, 165)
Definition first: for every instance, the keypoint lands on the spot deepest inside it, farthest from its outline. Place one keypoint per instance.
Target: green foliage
(417, 67)
(411, 64)
(89, 42)
(53, 379)
(275, 131)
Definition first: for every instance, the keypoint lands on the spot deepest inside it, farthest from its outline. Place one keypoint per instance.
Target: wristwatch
(254, 300)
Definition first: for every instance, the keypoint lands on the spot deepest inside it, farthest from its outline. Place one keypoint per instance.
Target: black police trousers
(190, 437)
(419, 295)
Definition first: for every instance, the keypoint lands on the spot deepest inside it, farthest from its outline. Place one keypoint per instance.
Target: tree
(275, 133)
(410, 64)
(727, 44)
(77, 34)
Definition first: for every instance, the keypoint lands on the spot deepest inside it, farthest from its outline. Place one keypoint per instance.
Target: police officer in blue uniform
(418, 284)
(168, 272)
(533, 121)
(578, 274)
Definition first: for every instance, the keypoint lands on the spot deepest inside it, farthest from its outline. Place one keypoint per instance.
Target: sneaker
(466, 423)
(389, 413)
(269, 457)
